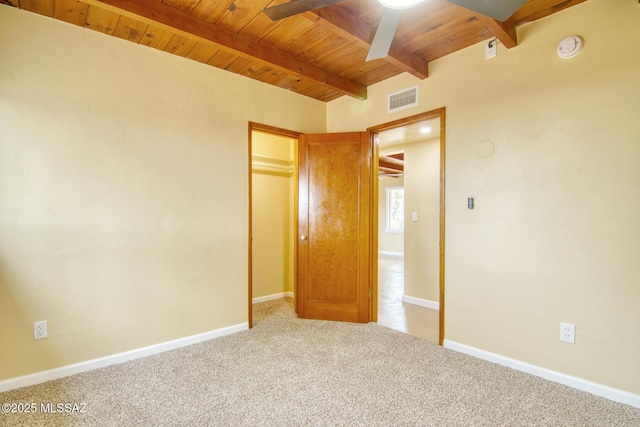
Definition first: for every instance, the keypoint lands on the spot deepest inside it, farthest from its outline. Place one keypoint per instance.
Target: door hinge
(369, 293)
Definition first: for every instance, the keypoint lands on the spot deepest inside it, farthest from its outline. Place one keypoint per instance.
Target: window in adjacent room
(395, 210)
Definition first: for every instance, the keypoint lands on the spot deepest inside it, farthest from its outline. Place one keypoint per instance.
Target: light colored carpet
(292, 372)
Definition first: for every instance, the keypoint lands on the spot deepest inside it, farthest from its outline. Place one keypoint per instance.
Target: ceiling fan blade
(384, 34)
(498, 10)
(294, 7)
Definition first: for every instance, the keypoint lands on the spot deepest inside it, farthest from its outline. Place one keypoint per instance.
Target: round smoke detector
(570, 46)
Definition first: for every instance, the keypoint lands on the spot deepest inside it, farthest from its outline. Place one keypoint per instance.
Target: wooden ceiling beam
(532, 11)
(392, 160)
(181, 21)
(504, 31)
(386, 165)
(347, 25)
(385, 170)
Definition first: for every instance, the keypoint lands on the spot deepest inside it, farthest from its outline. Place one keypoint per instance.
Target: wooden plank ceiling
(319, 54)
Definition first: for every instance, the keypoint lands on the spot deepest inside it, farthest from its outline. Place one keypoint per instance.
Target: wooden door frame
(375, 130)
(373, 304)
(287, 134)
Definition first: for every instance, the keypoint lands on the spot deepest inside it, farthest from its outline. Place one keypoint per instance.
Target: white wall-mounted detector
(491, 48)
(570, 46)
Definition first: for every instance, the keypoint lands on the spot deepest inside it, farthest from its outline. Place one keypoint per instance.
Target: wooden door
(334, 220)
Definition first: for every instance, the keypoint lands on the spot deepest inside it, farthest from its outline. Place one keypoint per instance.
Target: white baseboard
(272, 296)
(434, 305)
(89, 365)
(391, 254)
(558, 377)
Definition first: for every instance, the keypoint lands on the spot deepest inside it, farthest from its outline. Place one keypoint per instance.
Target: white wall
(555, 235)
(123, 192)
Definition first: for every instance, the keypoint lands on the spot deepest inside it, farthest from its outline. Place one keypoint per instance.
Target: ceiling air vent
(403, 99)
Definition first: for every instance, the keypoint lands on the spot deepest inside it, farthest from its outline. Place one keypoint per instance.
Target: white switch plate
(414, 216)
(491, 49)
(568, 333)
(40, 330)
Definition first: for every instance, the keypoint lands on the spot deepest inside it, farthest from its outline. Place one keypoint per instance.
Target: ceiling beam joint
(347, 25)
(503, 31)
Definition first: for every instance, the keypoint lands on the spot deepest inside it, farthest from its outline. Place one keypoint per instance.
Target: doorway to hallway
(410, 270)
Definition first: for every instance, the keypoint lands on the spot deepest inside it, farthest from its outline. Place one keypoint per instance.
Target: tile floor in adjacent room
(393, 313)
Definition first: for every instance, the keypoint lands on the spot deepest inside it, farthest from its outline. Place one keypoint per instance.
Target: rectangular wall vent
(403, 99)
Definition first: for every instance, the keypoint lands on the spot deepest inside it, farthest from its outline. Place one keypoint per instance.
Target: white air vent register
(403, 99)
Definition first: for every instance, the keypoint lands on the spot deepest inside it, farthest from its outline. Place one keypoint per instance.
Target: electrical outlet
(40, 330)
(568, 333)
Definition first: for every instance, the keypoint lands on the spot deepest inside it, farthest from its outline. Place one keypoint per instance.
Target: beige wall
(422, 238)
(388, 242)
(272, 214)
(123, 192)
(555, 233)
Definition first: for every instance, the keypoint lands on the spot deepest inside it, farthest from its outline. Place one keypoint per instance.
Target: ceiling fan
(500, 10)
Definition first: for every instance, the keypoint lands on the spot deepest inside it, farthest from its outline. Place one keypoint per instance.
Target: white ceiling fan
(500, 10)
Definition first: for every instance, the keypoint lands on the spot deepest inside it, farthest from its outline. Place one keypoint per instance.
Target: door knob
(303, 237)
